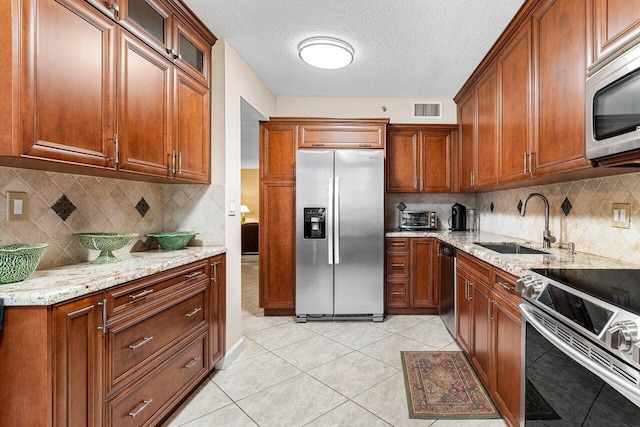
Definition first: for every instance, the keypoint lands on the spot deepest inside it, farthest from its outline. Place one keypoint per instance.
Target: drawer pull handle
(397, 244)
(193, 312)
(397, 293)
(145, 403)
(397, 265)
(193, 362)
(141, 294)
(505, 287)
(194, 274)
(141, 343)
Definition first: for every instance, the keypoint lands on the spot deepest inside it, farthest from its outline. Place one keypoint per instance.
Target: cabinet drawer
(505, 285)
(397, 294)
(139, 405)
(132, 342)
(341, 135)
(398, 245)
(397, 265)
(141, 292)
(477, 268)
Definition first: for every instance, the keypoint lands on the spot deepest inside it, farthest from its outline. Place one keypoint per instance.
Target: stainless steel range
(581, 346)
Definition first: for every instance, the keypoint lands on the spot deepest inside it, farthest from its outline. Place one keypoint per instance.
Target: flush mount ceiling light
(325, 52)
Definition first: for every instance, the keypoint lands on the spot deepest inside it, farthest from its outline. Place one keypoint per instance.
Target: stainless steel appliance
(447, 258)
(339, 234)
(418, 220)
(613, 105)
(581, 347)
(458, 217)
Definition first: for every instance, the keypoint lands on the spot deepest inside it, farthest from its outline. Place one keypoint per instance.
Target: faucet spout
(546, 234)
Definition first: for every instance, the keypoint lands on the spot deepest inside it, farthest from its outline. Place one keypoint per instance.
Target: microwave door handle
(336, 226)
(329, 225)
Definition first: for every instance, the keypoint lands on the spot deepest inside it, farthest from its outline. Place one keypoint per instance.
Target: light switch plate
(17, 207)
(620, 215)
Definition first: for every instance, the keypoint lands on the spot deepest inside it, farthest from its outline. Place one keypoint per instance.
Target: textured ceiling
(403, 49)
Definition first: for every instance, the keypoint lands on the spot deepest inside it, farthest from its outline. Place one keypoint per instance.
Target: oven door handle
(627, 389)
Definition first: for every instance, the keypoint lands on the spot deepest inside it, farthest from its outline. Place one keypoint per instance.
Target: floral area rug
(442, 385)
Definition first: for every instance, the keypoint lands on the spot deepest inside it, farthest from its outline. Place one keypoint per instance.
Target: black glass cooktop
(618, 287)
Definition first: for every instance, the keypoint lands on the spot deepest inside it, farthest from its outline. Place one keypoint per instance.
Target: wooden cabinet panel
(403, 161)
(615, 23)
(487, 131)
(397, 265)
(464, 311)
(436, 162)
(148, 20)
(514, 67)
(217, 309)
(481, 354)
(422, 289)
(144, 116)
(396, 244)
(342, 135)
(466, 156)
(191, 53)
(191, 128)
(278, 151)
(68, 110)
(559, 52)
(79, 358)
(397, 293)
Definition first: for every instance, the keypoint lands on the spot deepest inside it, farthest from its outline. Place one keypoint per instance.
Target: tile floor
(315, 374)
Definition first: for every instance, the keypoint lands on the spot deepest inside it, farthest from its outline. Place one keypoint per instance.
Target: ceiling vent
(427, 110)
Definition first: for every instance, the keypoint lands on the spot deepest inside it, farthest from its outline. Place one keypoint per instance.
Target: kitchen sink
(510, 248)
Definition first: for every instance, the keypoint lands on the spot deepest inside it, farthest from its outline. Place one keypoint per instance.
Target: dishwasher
(447, 257)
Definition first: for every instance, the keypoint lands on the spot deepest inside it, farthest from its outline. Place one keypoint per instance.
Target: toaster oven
(418, 220)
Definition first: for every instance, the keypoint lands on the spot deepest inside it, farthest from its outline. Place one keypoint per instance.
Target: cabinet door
(144, 116)
(149, 20)
(615, 23)
(79, 355)
(341, 135)
(217, 310)
(514, 70)
(559, 51)
(403, 164)
(506, 346)
(436, 162)
(278, 143)
(68, 83)
(191, 128)
(464, 311)
(487, 130)
(467, 117)
(422, 263)
(191, 53)
(481, 353)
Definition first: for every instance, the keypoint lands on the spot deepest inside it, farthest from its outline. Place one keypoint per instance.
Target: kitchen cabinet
(615, 22)
(342, 133)
(420, 158)
(468, 124)
(489, 330)
(217, 308)
(410, 276)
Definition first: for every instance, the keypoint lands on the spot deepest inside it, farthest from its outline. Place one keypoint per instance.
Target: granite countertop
(516, 264)
(54, 285)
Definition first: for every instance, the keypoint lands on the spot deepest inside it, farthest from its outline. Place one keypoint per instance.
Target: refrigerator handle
(330, 223)
(336, 226)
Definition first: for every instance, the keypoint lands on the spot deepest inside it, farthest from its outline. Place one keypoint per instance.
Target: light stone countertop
(54, 285)
(516, 264)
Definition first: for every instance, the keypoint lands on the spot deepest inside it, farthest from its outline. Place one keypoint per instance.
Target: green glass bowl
(173, 240)
(18, 261)
(105, 243)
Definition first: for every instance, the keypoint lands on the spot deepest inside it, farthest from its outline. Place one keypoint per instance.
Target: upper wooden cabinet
(615, 22)
(347, 133)
(467, 119)
(420, 158)
(119, 100)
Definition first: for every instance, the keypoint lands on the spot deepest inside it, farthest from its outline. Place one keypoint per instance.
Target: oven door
(570, 381)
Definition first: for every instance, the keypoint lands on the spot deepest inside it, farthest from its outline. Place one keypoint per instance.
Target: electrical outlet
(17, 206)
(620, 215)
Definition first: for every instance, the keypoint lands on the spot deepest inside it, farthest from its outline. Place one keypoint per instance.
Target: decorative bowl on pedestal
(105, 243)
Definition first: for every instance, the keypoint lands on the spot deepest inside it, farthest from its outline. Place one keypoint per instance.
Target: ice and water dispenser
(315, 223)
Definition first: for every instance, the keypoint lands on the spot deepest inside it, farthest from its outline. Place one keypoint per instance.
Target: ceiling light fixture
(325, 52)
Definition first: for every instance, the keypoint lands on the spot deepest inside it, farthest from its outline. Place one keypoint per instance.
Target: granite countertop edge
(55, 285)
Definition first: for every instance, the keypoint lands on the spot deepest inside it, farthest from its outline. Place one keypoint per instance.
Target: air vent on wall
(427, 110)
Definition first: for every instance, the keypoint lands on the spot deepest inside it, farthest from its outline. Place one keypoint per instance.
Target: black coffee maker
(458, 217)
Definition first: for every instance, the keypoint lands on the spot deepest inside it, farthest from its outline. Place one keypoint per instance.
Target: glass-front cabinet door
(150, 21)
(193, 53)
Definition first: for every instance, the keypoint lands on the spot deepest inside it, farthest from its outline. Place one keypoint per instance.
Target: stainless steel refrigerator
(339, 234)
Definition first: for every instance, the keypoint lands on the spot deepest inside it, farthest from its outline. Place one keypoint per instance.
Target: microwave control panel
(315, 223)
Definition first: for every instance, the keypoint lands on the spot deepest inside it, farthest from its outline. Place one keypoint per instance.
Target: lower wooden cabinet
(410, 276)
(489, 330)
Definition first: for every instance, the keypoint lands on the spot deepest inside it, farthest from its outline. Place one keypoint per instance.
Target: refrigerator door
(359, 232)
(314, 266)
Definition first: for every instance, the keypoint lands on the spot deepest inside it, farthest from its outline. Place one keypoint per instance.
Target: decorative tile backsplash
(441, 203)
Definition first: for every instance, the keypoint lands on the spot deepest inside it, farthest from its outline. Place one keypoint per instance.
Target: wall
(398, 109)
(250, 193)
(588, 223)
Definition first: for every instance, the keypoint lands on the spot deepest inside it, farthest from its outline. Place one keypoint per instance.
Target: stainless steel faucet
(546, 234)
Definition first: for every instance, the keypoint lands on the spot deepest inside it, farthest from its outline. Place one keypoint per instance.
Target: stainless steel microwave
(613, 105)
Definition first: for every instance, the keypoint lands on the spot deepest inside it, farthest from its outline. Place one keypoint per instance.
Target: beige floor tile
(452, 347)
(207, 398)
(312, 352)
(258, 323)
(251, 349)
(353, 373)
(229, 416)
(322, 326)
(388, 400)
(395, 324)
(348, 415)
(388, 350)
(431, 333)
(249, 309)
(258, 373)
(294, 402)
(357, 335)
(470, 423)
(281, 335)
